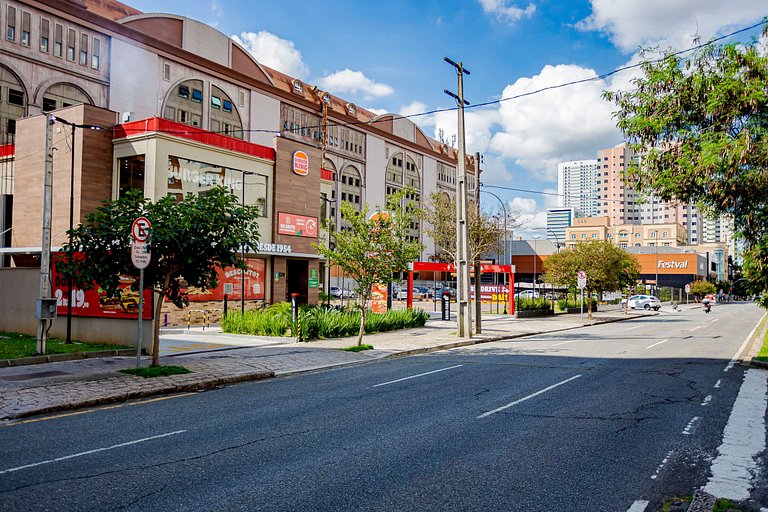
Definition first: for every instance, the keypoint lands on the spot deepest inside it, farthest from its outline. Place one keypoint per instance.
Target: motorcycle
(707, 307)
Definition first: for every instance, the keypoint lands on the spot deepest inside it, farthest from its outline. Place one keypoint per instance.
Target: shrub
(317, 322)
(525, 304)
(569, 302)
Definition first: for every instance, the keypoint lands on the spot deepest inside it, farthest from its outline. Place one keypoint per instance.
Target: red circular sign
(140, 229)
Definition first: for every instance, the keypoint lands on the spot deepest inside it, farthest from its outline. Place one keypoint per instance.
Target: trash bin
(445, 305)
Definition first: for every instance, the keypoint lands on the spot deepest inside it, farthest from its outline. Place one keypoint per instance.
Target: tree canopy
(373, 249)
(608, 268)
(699, 124)
(485, 233)
(189, 239)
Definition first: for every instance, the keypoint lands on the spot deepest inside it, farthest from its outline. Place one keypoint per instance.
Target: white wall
(265, 115)
(134, 78)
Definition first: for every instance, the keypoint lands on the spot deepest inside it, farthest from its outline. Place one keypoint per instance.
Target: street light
(557, 239)
(74, 126)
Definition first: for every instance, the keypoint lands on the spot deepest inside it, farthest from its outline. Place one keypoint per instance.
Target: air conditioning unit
(126, 117)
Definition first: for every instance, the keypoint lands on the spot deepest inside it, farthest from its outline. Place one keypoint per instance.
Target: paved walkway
(216, 358)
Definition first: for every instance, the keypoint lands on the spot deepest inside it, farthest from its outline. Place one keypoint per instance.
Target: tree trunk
(589, 304)
(363, 310)
(156, 329)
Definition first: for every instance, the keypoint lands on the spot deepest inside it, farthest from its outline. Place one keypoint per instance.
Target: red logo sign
(300, 163)
(296, 225)
(140, 229)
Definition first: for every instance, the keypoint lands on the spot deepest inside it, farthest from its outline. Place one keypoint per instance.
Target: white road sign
(140, 255)
(582, 279)
(140, 229)
(687, 288)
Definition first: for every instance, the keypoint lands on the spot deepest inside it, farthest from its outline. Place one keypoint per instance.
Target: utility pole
(478, 300)
(464, 314)
(45, 245)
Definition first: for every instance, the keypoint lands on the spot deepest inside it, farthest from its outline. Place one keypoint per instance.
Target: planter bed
(533, 313)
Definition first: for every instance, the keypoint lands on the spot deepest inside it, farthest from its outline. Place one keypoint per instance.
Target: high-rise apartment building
(577, 186)
(558, 219)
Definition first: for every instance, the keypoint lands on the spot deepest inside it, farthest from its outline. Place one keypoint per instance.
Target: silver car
(644, 302)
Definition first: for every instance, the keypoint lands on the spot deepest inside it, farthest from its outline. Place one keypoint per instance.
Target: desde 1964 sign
(300, 163)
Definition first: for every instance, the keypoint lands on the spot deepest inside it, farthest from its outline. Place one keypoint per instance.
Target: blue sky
(388, 57)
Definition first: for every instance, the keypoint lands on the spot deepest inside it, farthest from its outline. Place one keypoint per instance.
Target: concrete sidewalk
(66, 385)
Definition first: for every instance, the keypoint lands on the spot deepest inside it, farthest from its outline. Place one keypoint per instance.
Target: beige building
(625, 235)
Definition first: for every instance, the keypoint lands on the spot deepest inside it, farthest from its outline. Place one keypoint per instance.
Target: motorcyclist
(707, 305)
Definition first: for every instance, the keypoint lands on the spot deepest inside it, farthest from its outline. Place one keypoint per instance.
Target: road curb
(164, 388)
(55, 358)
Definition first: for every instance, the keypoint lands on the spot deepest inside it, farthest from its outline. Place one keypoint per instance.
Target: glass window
(49, 104)
(96, 55)
(184, 92)
(226, 105)
(10, 32)
(83, 49)
(58, 40)
(26, 21)
(45, 29)
(216, 102)
(131, 171)
(197, 95)
(71, 39)
(15, 97)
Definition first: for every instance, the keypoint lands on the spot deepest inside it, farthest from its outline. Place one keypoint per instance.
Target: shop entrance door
(297, 280)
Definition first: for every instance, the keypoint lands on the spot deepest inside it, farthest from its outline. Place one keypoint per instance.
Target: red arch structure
(450, 267)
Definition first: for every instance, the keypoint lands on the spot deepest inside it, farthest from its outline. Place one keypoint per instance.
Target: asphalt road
(611, 418)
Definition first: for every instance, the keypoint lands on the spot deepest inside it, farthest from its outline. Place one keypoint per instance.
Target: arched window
(224, 116)
(63, 95)
(402, 172)
(13, 104)
(184, 103)
(351, 187)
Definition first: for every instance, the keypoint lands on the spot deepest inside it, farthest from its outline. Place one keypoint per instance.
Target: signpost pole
(141, 317)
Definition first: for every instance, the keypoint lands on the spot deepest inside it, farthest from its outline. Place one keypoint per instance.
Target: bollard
(446, 306)
(295, 315)
(165, 322)
(189, 319)
(205, 318)
(225, 304)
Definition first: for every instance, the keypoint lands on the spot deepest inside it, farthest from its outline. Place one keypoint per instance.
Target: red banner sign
(231, 284)
(296, 225)
(95, 303)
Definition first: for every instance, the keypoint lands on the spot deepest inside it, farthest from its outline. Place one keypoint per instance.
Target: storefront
(674, 270)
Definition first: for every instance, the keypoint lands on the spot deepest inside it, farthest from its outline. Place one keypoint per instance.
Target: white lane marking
(419, 375)
(635, 327)
(717, 384)
(743, 438)
(89, 452)
(689, 427)
(638, 506)
(715, 320)
(564, 343)
(663, 463)
(697, 327)
(742, 347)
(659, 343)
(549, 388)
(707, 399)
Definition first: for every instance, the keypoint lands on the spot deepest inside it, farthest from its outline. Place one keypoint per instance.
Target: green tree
(189, 240)
(483, 231)
(372, 249)
(700, 126)
(608, 268)
(702, 288)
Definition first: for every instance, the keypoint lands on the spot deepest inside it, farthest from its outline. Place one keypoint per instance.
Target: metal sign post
(582, 283)
(140, 256)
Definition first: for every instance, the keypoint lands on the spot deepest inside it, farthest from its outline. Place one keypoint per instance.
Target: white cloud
(632, 24)
(416, 107)
(347, 81)
(272, 51)
(477, 127)
(377, 111)
(507, 11)
(566, 123)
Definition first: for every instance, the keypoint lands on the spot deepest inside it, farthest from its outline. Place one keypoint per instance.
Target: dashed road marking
(717, 384)
(661, 466)
(638, 506)
(689, 427)
(549, 388)
(659, 343)
(742, 347)
(707, 399)
(697, 327)
(89, 452)
(419, 375)
(635, 327)
(564, 343)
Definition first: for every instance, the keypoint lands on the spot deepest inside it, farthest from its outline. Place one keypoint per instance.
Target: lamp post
(74, 126)
(656, 250)
(557, 239)
(504, 262)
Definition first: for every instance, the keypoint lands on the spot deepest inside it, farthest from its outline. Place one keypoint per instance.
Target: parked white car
(527, 294)
(643, 302)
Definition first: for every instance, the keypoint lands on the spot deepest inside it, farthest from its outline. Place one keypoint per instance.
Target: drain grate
(30, 376)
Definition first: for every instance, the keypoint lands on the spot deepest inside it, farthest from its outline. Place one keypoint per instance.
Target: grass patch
(723, 505)
(674, 503)
(156, 371)
(763, 354)
(355, 348)
(14, 345)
